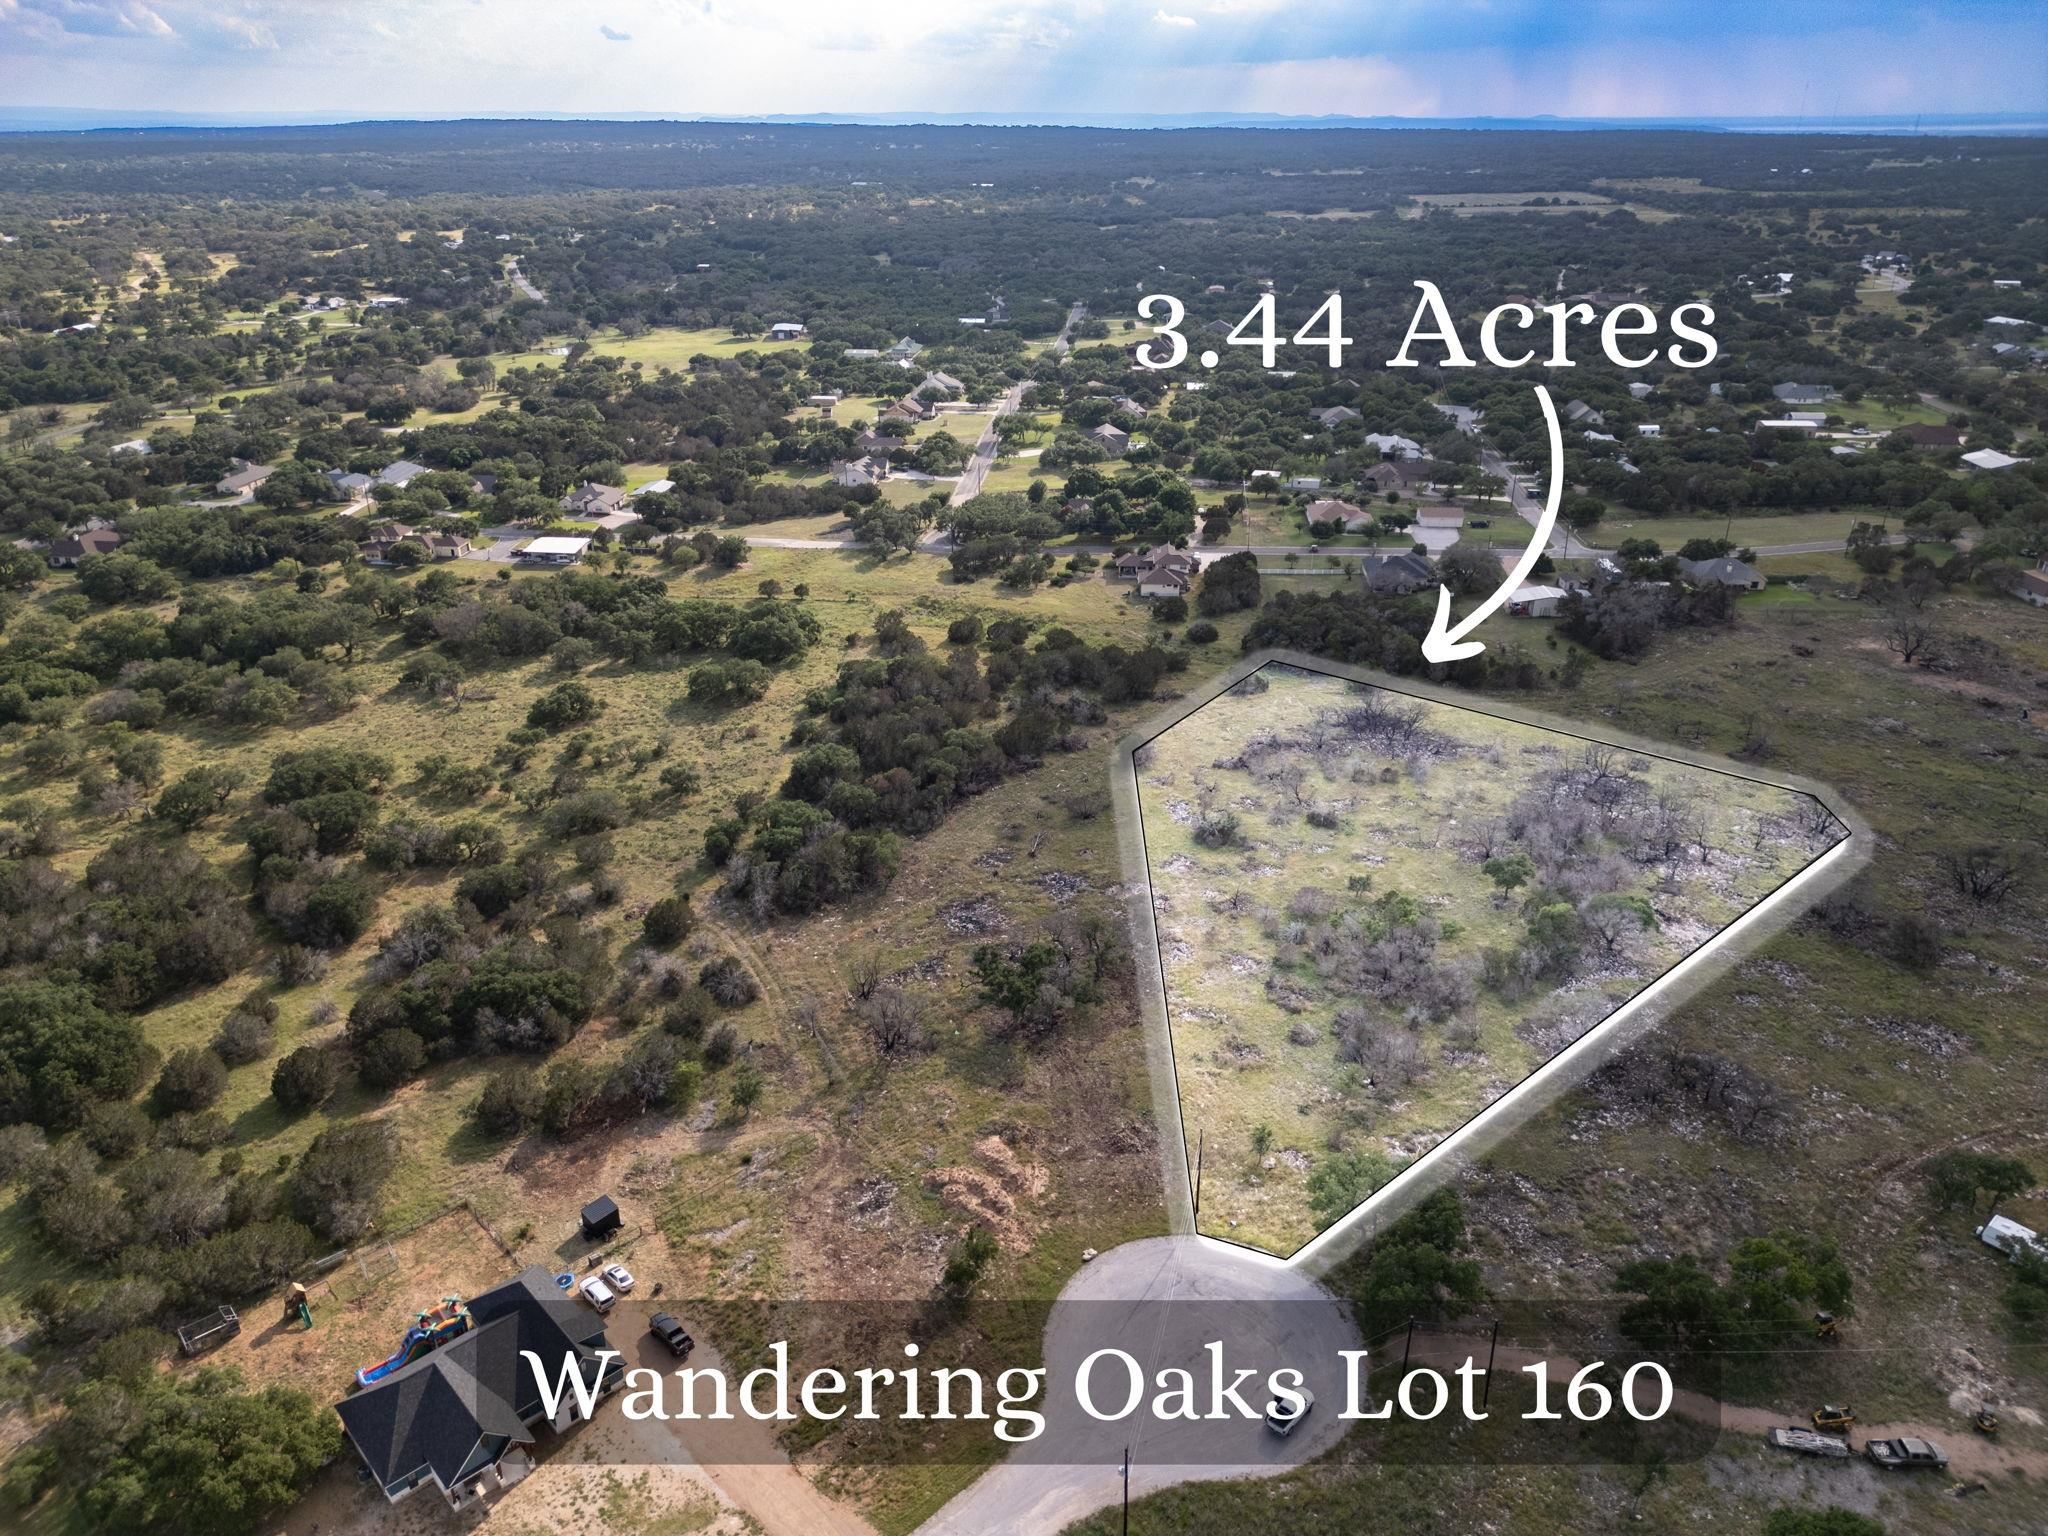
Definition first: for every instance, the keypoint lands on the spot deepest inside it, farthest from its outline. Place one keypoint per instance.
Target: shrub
(1201, 632)
(1219, 829)
(964, 631)
(564, 705)
(390, 1058)
(667, 922)
(305, 1077)
(243, 1038)
(193, 1078)
(334, 1188)
(507, 1104)
(115, 1129)
(729, 981)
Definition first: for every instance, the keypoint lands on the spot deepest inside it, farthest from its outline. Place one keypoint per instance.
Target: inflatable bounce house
(429, 1331)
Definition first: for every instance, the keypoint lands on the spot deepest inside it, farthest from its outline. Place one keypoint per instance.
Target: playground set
(429, 1331)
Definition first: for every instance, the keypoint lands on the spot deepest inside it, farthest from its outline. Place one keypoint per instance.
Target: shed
(600, 1218)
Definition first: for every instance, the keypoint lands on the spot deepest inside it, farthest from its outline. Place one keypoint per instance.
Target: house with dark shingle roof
(74, 547)
(1396, 574)
(458, 1417)
(1726, 572)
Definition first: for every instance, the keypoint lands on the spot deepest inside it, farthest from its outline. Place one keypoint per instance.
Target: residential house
(1112, 439)
(1577, 412)
(139, 446)
(1786, 424)
(593, 500)
(2007, 282)
(1640, 390)
(1403, 476)
(1391, 447)
(1726, 571)
(1329, 510)
(877, 442)
(904, 350)
(343, 486)
(244, 478)
(553, 549)
(825, 400)
(1444, 516)
(1161, 571)
(377, 545)
(854, 473)
(398, 476)
(1336, 415)
(942, 386)
(1394, 575)
(1989, 459)
(2033, 587)
(484, 485)
(2006, 327)
(459, 1417)
(861, 354)
(909, 408)
(66, 552)
(1804, 394)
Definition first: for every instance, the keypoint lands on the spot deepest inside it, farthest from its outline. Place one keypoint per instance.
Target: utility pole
(1406, 1345)
(1127, 1491)
(1199, 1137)
(1487, 1391)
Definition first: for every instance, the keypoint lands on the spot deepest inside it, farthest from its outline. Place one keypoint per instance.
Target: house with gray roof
(459, 1417)
(1724, 572)
(1337, 415)
(401, 474)
(593, 500)
(1395, 575)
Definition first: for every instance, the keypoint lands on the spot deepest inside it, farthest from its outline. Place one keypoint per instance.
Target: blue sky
(1505, 58)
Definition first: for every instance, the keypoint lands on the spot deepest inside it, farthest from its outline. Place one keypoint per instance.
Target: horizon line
(36, 120)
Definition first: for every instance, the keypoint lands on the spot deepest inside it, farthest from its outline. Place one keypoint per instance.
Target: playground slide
(432, 1330)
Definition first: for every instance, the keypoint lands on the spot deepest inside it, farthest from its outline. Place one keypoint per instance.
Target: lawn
(659, 347)
(1746, 532)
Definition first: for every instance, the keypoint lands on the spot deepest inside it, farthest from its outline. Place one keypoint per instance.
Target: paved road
(1142, 1298)
(983, 459)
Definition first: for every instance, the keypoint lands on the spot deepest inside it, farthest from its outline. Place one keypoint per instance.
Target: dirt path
(1969, 1454)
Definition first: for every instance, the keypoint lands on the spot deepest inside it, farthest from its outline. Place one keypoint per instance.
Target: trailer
(217, 1327)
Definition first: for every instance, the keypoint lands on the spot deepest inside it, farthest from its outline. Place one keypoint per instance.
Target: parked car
(598, 1294)
(1906, 1452)
(618, 1277)
(664, 1327)
(1282, 1414)
(1807, 1442)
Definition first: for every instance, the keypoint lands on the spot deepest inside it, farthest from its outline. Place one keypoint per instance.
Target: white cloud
(1165, 18)
(615, 35)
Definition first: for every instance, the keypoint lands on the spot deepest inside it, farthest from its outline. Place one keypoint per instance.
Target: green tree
(1339, 1183)
(207, 1459)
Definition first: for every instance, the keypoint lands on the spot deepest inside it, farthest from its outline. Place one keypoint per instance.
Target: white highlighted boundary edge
(1549, 1082)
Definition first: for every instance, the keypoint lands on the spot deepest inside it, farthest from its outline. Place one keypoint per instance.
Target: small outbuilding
(600, 1218)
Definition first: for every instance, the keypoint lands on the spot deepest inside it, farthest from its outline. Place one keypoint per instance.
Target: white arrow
(1444, 643)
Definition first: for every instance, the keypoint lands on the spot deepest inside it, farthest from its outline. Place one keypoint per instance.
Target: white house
(553, 549)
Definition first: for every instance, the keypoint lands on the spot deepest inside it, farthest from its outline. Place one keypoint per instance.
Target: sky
(356, 59)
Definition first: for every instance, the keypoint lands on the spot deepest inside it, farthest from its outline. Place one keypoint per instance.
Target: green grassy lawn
(660, 347)
(1747, 532)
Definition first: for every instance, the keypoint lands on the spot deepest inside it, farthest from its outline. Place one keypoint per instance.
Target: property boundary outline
(1492, 1123)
